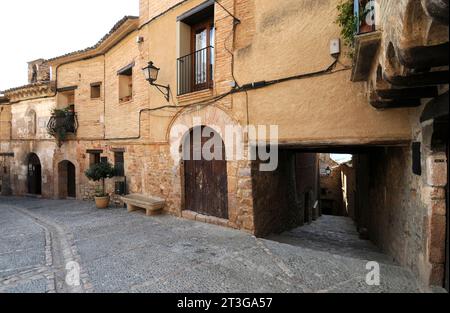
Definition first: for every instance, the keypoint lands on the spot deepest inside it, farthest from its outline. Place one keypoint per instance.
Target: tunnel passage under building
(380, 190)
(304, 186)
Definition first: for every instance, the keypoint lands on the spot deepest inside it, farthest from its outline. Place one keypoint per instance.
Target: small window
(94, 158)
(119, 163)
(96, 90)
(126, 83)
(103, 160)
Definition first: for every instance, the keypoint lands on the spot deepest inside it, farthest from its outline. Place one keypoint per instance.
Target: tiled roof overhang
(30, 91)
(4, 100)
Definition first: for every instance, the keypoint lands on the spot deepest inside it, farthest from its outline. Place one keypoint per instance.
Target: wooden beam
(394, 104)
(425, 56)
(419, 80)
(408, 93)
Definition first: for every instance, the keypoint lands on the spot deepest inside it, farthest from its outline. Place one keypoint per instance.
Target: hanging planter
(61, 123)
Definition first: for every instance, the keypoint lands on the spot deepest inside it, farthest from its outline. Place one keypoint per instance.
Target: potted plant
(100, 172)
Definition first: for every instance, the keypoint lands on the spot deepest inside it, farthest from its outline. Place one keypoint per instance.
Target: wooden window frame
(208, 25)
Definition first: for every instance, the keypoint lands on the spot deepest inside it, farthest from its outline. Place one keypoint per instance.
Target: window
(126, 83)
(119, 164)
(195, 64)
(96, 90)
(202, 42)
(94, 156)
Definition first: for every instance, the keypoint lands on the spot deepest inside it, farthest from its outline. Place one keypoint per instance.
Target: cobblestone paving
(121, 252)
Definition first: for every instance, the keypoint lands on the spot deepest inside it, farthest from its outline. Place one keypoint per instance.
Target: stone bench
(152, 205)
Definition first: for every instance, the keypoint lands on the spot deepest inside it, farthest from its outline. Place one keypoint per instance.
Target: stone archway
(34, 175)
(67, 180)
(240, 203)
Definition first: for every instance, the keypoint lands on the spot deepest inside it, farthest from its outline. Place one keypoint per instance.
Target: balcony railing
(365, 12)
(195, 71)
(62, 123)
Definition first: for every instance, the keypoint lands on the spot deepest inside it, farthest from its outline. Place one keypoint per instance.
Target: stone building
(331, 200)
(241, 63)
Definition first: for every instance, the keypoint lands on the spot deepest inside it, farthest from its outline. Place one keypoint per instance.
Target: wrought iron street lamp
(151, 75)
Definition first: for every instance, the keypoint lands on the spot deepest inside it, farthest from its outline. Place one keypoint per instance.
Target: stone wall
(286, 198)
(5, 175)
(30, 119)
(38, 71)
(307, 182)
(19, 165)
(397, 212)
(349, 189)
(277, 204)
(5, 122)
(90, 112)
(331, 187)
(407, 214)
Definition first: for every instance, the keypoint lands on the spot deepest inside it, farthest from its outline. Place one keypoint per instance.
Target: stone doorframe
(240, 199)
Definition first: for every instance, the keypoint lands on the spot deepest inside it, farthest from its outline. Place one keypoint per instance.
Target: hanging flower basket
(61, 123)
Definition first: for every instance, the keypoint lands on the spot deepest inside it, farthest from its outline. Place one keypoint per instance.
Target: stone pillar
(435, 195)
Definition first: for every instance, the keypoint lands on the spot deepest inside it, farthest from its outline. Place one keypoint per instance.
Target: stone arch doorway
(67, 187)
(34, 175)
(205, 177)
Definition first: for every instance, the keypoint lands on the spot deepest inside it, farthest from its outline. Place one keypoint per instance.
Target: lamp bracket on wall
(151, 75)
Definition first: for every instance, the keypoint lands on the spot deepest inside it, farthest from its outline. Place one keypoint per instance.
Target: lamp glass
(151, 72)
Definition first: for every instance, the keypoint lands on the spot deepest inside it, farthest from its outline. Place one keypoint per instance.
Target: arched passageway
(34, 175)
(67, 180)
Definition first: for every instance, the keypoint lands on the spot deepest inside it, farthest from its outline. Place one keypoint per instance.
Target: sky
(341, 158)
(33, 29)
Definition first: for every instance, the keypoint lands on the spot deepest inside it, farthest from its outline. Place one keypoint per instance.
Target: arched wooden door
(34, 177)
(67, 180)
(206, 185)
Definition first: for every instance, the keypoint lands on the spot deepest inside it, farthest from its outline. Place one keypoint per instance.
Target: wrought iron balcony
(62, 123)
(195, 71)
(68, 123)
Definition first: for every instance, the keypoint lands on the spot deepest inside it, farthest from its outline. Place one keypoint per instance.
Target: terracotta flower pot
(102, 202)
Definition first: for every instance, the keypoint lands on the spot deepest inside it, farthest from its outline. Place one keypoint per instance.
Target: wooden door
(202, 58)
(206, 186)
(34, 177)
(71, 181)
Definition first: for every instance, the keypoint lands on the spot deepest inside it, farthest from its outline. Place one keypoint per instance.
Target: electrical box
(335, 47)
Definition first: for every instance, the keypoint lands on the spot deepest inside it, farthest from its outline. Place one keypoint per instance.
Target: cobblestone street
(121, 252)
